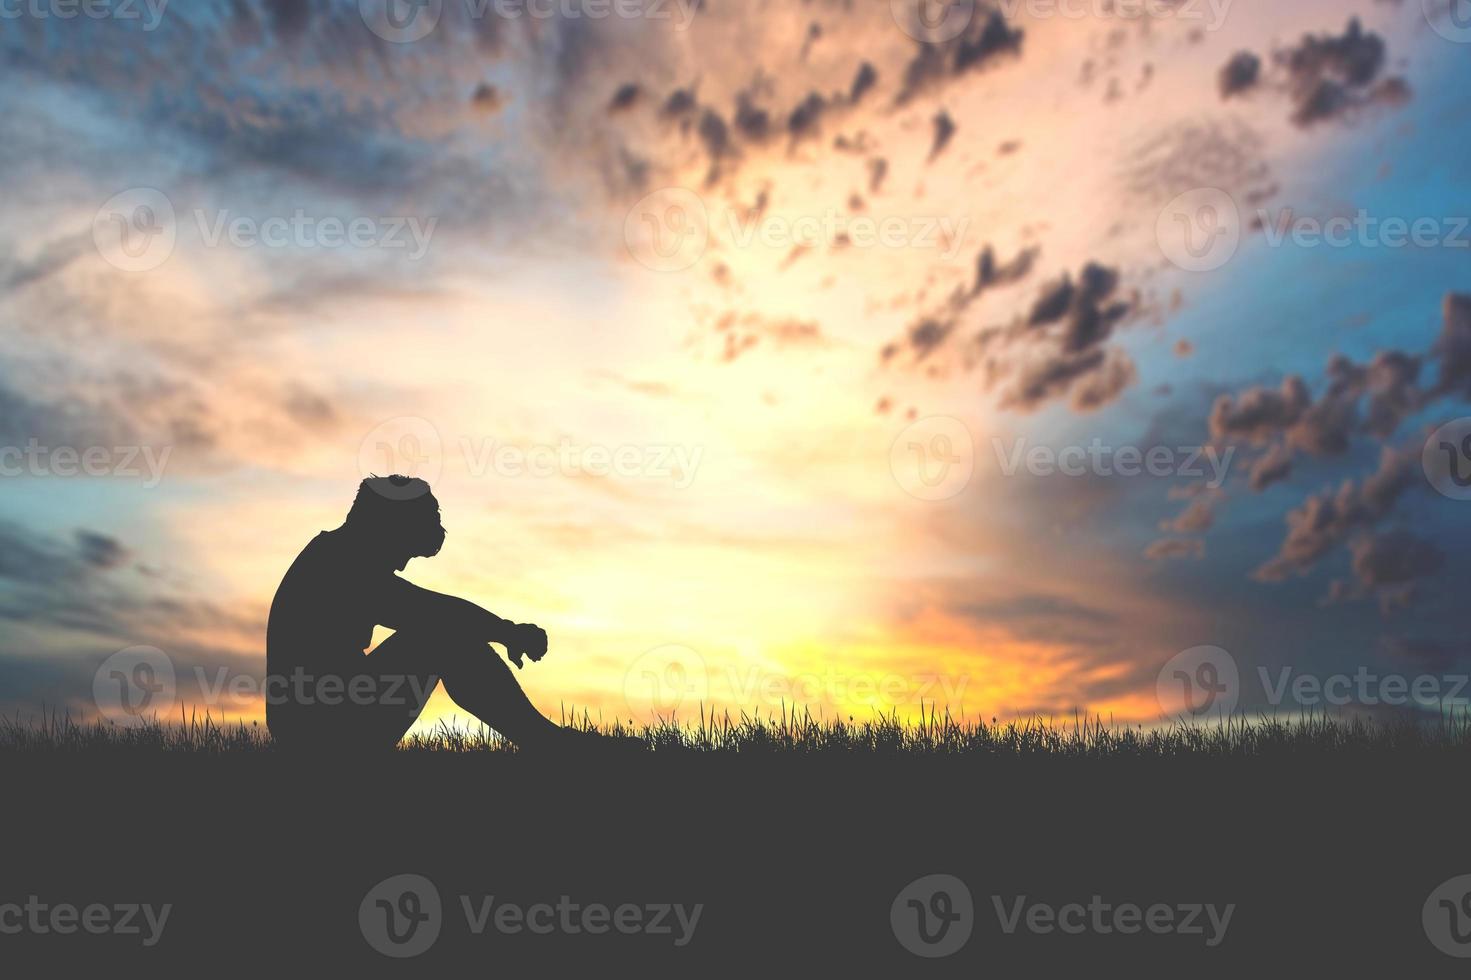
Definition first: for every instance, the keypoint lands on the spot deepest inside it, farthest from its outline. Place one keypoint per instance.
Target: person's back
(321, 624)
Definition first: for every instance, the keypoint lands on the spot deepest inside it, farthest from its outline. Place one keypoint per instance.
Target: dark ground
(796, 859)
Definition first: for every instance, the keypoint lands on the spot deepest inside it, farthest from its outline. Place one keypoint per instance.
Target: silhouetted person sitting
(323, 692)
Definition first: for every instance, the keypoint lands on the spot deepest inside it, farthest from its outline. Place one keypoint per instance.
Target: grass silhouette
(798, 734)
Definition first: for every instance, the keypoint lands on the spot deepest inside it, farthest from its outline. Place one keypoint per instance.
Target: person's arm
(404, 605)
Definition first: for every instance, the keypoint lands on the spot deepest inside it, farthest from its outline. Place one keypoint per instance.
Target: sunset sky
(737, 248)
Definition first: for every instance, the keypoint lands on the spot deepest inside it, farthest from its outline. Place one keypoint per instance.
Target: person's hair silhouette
(323, 692)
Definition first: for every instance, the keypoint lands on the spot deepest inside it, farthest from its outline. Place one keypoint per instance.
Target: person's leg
(475, 677)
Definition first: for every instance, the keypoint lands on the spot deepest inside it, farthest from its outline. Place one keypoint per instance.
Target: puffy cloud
(1392, 560)
(986, 38)
(1062, 345)
(100, 550)
(1260, 414)
(1330, 75)
(1324, 520)
(1198, 517)
(864, 81)
(1453, 347)
(1271, 467)
(1239, 74)
(1173, 548)
(991, 273)
(944, 132)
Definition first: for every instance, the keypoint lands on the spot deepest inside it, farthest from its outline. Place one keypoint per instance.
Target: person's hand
(526, 640)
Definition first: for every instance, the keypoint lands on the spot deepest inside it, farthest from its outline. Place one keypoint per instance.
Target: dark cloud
(989, 273)
(1259, 414)
(1173, 548)
(1327, 519)
(488, 98)
(751, 121)
(1273, 466)
(944, 132)
(715, 136)
(100, 550)
(1428, 652)
(1239, 74)
(1388, 564)
(1100, 386)
(625, 98)
(1453, 347)
(865, 80)
(289, 18)
(1330, 75)
(1063, 337)
(987, 36)
(924, 338)
(81, 585)
(1197, 518)
(930, 332)
(878, 169)
(803, 122)
(53, 256)
(1392, 383)
(681, 104)
(1370, 400)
